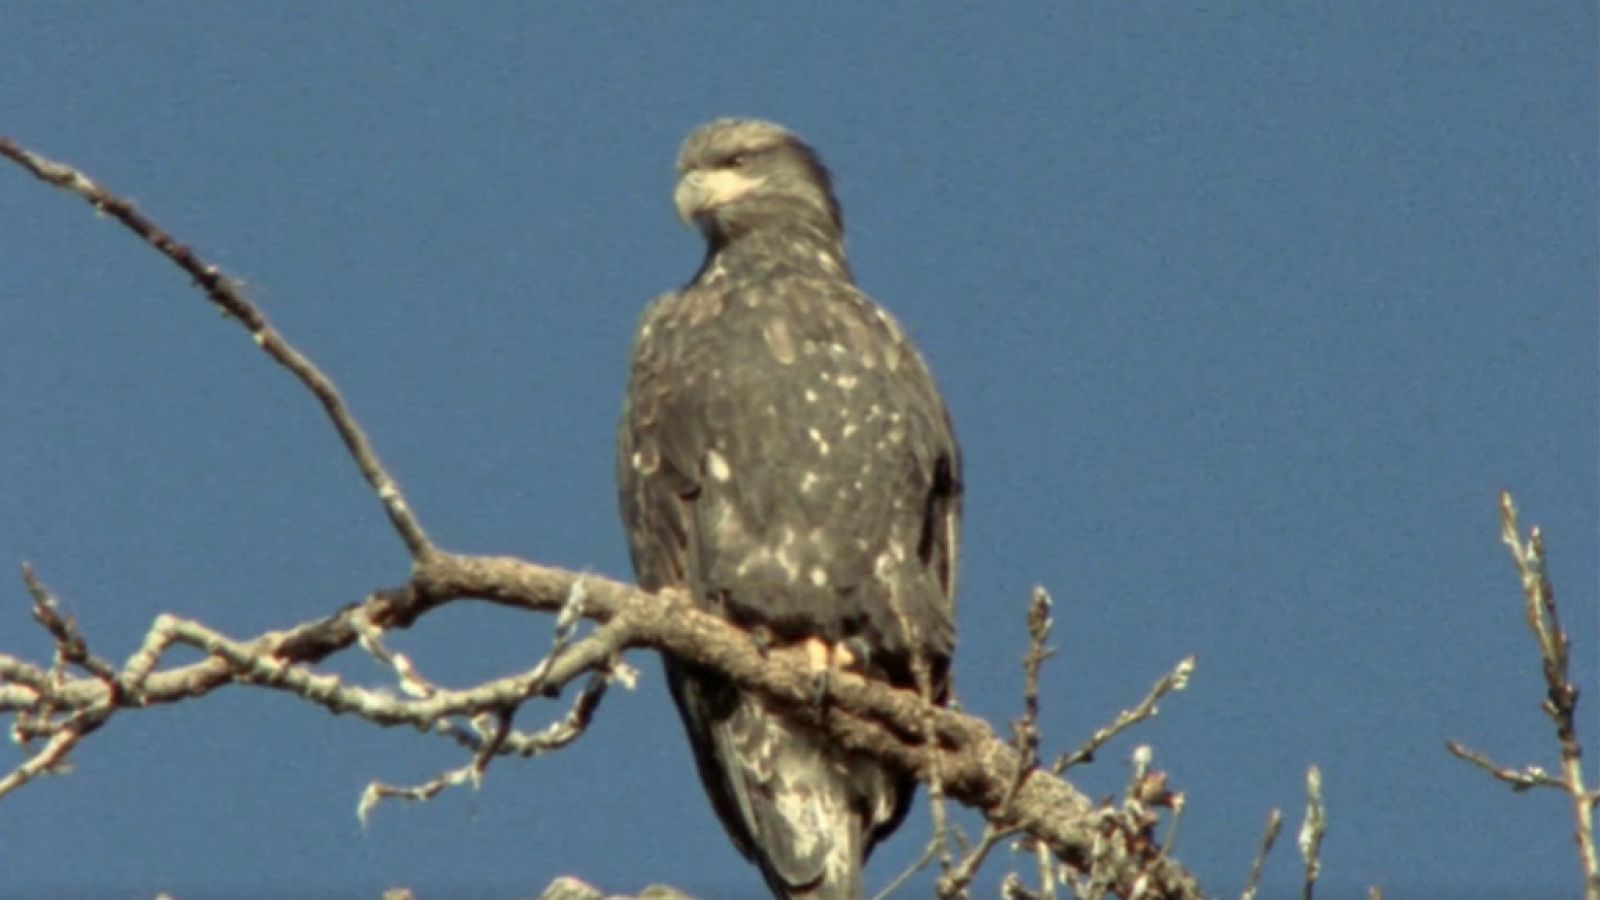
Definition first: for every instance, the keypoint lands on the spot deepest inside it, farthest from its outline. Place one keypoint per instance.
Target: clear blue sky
(1244, 319)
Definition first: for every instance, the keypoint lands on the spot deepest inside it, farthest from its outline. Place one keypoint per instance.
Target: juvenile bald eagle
(785, 458)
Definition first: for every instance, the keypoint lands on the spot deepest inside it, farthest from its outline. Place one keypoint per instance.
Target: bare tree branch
(1176, 680)
(225, 293)
(1561, 695)
(958, 874)
(1312, 830)
(960, 753)
(1270, 837)
(869, 716)
(1520, 779)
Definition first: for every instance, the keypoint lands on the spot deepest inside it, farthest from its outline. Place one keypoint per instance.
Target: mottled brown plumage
(785, 457)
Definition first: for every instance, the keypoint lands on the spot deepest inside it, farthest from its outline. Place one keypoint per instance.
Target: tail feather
(807, 807)
(802, 809)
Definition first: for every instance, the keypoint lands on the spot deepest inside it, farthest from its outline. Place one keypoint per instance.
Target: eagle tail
(804, 805)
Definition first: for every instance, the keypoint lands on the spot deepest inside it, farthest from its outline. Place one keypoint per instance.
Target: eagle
(785, 459)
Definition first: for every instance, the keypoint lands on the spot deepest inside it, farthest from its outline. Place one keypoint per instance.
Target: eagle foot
(822, 658)
(819, 661)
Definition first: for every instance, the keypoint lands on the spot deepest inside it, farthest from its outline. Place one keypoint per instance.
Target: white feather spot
(811, 396)
(846, 382)
(717, 466)
(808, 481)
(726, 525)
(780, 343)
(818, 576)
(645, 460)
(891, 357)
(820, 441)
(752, 560)
(787, 562)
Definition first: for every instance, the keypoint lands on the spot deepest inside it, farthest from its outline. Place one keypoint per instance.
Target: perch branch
(977, 767)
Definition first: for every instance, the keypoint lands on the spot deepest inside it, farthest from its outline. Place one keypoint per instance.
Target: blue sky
(1244, 317)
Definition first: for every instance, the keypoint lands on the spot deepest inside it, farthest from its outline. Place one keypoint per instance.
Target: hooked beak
(699, 192)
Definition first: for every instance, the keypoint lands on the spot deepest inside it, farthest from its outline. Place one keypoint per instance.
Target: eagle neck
(801, 249)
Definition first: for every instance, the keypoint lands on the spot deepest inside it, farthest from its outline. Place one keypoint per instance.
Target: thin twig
(1561, 695)
(1025, 731)
(70, 642)
(1312, 831)
(936, 805)
(226, 293)
(1274, 825)
(1520, 779)
(930, 852)
(1024, 737)
(470, 773)
(1047, 872)
(954, 882)
(47, 759)
(1012, 888)
(1176, 680)
(922, 676)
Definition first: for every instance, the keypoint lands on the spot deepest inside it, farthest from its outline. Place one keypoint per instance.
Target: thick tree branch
(978, 767)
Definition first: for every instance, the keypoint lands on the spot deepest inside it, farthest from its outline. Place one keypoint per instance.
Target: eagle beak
(699, 192)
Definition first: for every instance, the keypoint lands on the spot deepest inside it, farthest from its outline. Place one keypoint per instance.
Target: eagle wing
(785, 457)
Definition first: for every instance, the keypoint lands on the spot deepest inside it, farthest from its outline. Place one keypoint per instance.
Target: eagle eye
(736, 160)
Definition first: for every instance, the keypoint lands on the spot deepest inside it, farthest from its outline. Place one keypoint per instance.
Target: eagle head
(738, 175)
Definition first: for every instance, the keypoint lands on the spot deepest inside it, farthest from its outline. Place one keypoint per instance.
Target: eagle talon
(857, 653)
(819, 661)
